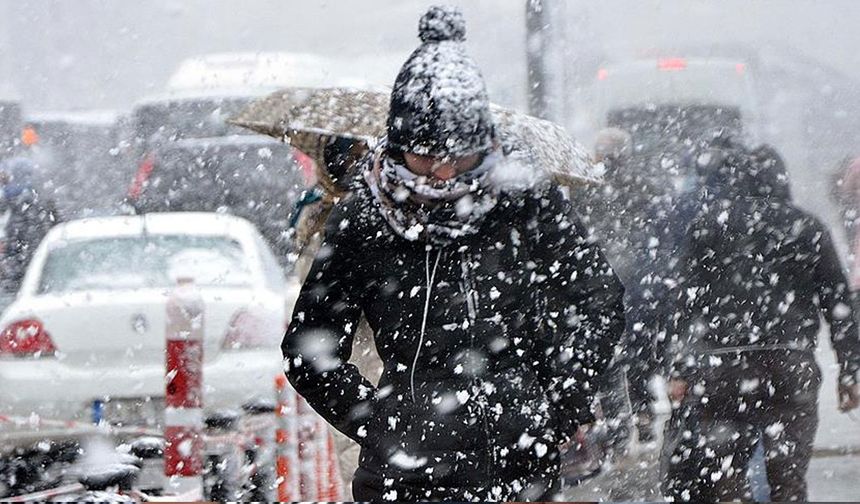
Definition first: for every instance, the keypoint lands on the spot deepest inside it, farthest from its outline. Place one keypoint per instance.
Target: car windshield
(144, 262)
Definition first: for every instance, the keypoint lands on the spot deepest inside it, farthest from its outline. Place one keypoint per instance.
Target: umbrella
(541, 143)
(309, 117)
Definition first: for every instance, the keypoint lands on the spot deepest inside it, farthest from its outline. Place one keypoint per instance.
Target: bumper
(54, 390)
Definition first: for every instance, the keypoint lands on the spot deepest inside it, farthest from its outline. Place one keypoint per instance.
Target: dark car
(10, 125)
(155, 121)
(667, 138)
(78, 161)
(670, 106)
(250, 176)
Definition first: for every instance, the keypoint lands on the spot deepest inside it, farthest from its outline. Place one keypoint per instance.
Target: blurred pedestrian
(845, 191)
(30, 218)
(847, 194)
(758, 276)
(616, 212)
(491, 310)
(335, 171)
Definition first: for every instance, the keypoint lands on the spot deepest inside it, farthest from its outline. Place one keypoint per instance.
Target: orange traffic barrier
(286, 442)
(306, 462)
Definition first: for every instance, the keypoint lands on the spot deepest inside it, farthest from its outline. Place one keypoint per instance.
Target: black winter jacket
(30, 219)
(490, 345)
(760, 273)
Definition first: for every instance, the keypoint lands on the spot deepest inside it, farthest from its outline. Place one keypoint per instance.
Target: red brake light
(740, 68)
(245, 331)
(602, 74)
(670, 64)
(26, 338)
(142, 175)
(307, 165)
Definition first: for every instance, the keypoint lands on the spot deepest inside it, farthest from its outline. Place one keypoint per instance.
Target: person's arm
(318, 343)
(688, 279)
(583, 319)
(838, 309)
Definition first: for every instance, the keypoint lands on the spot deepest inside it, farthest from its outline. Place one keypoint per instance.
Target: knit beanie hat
(439, 104)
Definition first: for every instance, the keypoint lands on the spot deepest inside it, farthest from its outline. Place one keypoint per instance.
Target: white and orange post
(320, 432)
(286, 440)
(333, 486)
(183, 414)
(309, 461)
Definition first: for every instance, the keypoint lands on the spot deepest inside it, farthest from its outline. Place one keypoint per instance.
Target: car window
(199, 118)
(637, 85)
(258, 182)
(144, 262)
(272, 271)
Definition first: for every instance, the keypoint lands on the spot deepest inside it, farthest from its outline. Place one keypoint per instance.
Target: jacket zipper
(472, 307)
(430, 277)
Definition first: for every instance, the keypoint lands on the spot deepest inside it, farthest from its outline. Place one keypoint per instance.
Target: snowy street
(832, 472)
(429, 250)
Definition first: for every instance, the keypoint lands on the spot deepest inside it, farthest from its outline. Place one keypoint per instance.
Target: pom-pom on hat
(439, 104)
(442, 23)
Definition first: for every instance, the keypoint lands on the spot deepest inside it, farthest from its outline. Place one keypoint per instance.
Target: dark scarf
(440, 214)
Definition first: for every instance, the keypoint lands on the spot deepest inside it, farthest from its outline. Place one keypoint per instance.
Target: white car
(86, 332)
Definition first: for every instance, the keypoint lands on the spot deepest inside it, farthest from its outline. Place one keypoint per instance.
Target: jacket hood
(738, 172)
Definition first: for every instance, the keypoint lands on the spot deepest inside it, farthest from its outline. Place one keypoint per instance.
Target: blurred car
(259, 70)
(77, 157)
(10, 124)
(671, 105)
(159, 120)
(676, 81)
(253, 177)
(200, 114)
(270, 71)
(89, 321)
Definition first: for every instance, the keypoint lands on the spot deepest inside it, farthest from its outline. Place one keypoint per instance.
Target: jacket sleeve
(583, 316)
(684, 283)
(838, 309)
(318, 343)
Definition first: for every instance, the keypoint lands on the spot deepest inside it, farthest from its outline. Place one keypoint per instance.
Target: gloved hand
(677, 390)
(849, 396)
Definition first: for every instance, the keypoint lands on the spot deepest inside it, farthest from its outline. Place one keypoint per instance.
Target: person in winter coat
(335, 172)
(30, 218)
(758, 277)
(845, 192)
(614, 213)
(491, 311)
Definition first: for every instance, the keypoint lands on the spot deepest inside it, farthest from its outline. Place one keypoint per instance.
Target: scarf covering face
(439, 213)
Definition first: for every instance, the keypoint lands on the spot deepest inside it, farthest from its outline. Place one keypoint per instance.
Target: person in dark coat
(759, 276)
(30, 218)
(622, 220)
(492, 312)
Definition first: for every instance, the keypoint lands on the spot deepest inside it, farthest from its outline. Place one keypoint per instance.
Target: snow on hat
(439, 104)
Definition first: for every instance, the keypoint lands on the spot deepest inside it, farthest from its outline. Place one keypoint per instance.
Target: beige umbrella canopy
(545, 146)
(308, 117)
